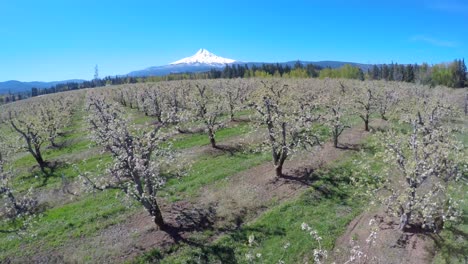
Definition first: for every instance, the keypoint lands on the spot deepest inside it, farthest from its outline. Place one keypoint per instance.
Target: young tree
(364, 104)
(288, 116)
(18, 210)
(430, 161)
(385, 100)
(55, 115)
(208, 109)
(33, 132)
(153, 102)
(235, 94)
(40, 122)
(335, 117)
(177, 101)
(133, 171)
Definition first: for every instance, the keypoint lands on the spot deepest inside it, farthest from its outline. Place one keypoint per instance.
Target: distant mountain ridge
(17, 86)
(204, 60)
(201, 61)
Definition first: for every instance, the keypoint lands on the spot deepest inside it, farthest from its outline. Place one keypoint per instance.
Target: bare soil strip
(239, 198)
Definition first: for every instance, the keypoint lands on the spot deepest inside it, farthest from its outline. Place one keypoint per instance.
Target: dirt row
(243, 197)
(237, 199)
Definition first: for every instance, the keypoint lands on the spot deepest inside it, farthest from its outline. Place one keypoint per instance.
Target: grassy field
(105, 208)
(328, 206)
(325, 198)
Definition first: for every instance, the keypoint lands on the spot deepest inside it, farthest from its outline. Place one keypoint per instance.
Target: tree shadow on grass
(185, 131)
(49, 172)
(452, 248)
(232, 150)
(187, 220)
(347, 146)
(60, 145)
(241, 120)
(303, 176)
(327, 181)
(223, 251)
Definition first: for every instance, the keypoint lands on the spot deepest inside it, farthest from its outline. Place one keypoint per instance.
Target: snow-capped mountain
(204, 57)
(202, 61)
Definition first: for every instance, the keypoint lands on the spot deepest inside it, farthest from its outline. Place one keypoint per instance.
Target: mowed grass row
(63, 224)
(78, 148)
(201, 139)
(96, 211)
(68, 221)
(59, 225)
(74, 141)
(327, 206)
(209, 169)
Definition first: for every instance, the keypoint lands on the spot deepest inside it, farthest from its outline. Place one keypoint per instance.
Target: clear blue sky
(48, 40)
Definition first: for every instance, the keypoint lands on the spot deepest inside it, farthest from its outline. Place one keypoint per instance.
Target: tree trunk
(158, 219)
(159, 117)
(280, 162)
(366, 124)
(213, 142)
(38, 157)
(279, 170)
(212, 138)
(335, 137)
(404, 220)
(405, 217)
(42, 165)
(420, 121)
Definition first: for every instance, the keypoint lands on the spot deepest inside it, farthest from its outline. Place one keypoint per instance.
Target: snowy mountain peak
(204, 57)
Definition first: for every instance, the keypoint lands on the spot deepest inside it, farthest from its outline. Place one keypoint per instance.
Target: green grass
(201, 139)
(83, 218)
(137, 117)
(51, 154)
(97, 211)
(328, 206)
(69, 222)
(209, 169)
(94, 164)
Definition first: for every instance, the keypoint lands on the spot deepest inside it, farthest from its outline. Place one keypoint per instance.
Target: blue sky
(64, 39)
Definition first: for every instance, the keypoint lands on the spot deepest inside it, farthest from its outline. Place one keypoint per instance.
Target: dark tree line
(10, 97)
(277, 70)
(451, 75)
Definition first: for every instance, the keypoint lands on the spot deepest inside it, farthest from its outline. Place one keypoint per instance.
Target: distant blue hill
(17, 86)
